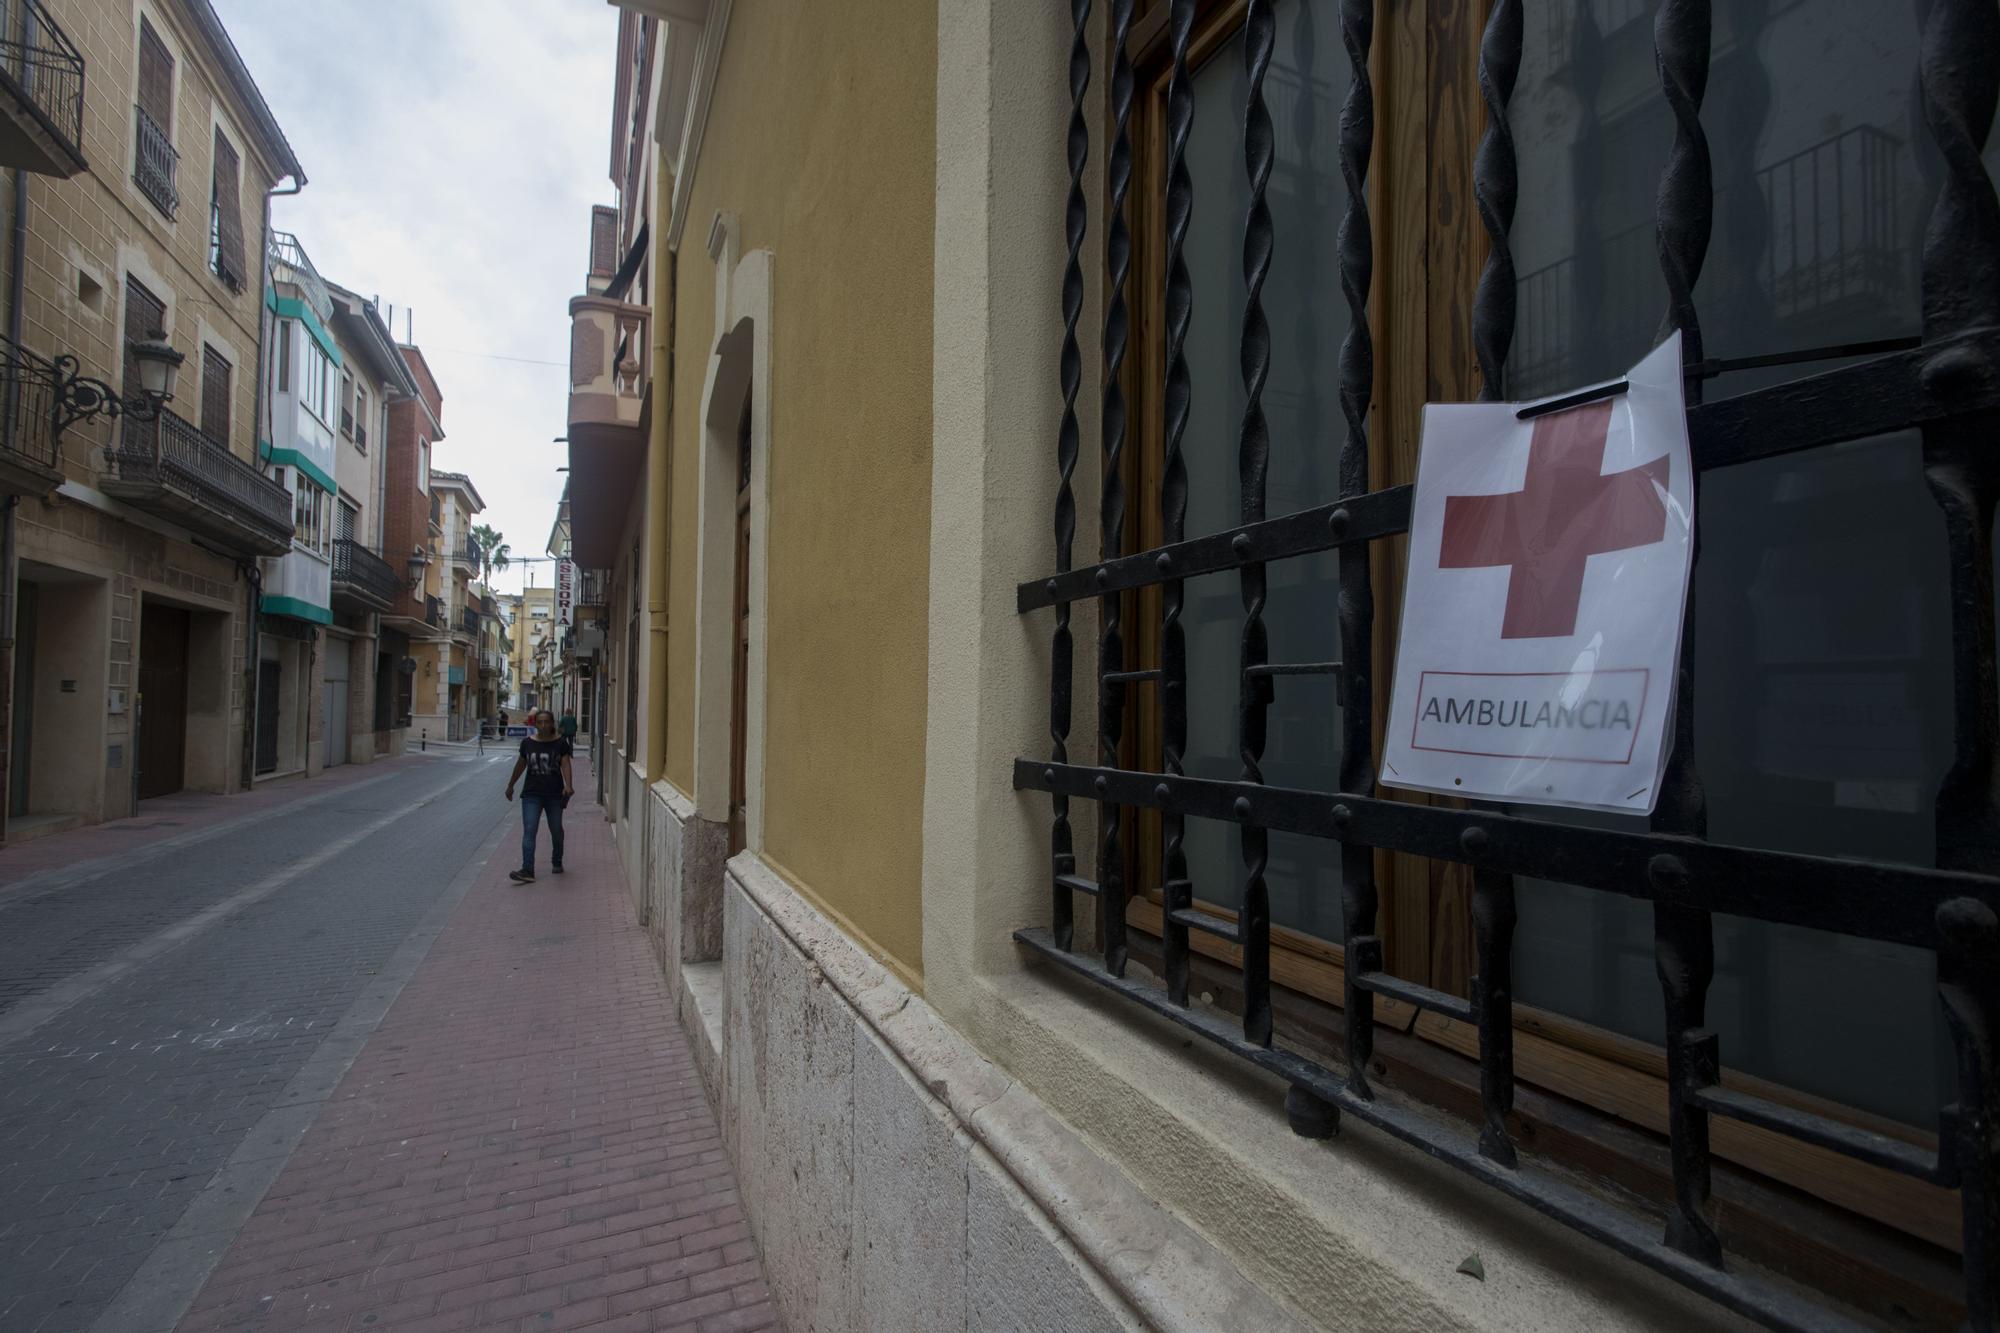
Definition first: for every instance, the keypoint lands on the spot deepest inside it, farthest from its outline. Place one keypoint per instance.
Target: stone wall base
(897, 1180)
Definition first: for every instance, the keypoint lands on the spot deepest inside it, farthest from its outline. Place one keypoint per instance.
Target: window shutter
(344, 531)
(156, 78)
(145, 315)
(214, 396)
(229, 214)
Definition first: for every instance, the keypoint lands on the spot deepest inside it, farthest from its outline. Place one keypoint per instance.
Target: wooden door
(268, 680)
(163, 657)
(740, 650)
(22, 739)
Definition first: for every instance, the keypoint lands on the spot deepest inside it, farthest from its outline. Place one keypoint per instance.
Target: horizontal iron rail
(1881, 396)
(1861, 1144)
(1629, 1234)
(1871, 899)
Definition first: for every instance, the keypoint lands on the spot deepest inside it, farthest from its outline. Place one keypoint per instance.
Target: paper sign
(1548, 573)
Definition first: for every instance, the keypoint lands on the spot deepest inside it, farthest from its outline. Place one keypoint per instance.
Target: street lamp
(81, 397)
(415, 567)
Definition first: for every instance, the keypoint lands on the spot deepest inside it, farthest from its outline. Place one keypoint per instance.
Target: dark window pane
(1304, 88)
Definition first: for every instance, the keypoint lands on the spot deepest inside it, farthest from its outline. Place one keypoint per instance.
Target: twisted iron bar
(1683, 938)
(1111, 534)
(1961, 291)
(1076, 219)
(1176, 892)
(1356, 608)
(1252, 461)
(1496, 188)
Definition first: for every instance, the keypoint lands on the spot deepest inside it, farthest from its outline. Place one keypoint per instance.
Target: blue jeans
(533, 808)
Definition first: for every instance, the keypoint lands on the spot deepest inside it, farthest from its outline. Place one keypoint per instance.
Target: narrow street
(185, 1034)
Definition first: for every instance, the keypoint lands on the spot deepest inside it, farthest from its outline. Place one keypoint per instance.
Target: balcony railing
(433, 613)
(364, 573)
(466, 553)
(156, 162)
(27, 413)
(44, 71)
(291, 264)
(468, 620)
(607, 361)
(173, 465)
(594, 588)
(170, 465)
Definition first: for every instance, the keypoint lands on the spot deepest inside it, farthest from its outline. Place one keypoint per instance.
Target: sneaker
(521, 876)
(555, 869)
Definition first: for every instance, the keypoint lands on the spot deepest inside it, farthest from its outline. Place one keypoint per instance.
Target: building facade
(141, 152)
(363, 657)
(1037, 922)
(412, 535)
(450, 708)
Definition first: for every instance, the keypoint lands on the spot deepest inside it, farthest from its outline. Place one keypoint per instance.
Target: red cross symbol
(1567, 511)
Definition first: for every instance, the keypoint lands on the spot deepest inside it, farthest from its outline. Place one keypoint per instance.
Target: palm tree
(494, 553)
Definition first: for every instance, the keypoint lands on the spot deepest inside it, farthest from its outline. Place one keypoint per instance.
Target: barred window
(1755, 975)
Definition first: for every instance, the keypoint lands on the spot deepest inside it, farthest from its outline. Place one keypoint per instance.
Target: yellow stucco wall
(822, 140)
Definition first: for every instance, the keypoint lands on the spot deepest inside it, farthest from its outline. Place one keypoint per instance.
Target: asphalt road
(171, 1024)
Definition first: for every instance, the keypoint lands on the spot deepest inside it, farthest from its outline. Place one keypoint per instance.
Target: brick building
(140, 151)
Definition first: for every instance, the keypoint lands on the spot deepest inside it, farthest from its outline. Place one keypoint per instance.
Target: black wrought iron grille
(1947, 386)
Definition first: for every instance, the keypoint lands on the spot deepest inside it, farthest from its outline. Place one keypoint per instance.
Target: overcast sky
(452, 150)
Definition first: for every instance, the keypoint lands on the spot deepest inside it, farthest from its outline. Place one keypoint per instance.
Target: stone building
(142, 154)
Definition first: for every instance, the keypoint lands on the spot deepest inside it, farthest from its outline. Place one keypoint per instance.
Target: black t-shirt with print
(544, 773)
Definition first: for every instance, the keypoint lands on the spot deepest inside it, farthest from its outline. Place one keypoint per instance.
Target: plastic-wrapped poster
(1548, 573)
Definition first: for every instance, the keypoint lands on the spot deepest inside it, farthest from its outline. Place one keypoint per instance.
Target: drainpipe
(659, 479)
(10, 568)
(253, 574)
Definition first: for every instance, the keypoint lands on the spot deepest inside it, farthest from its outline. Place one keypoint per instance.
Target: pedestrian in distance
(545, 759)
(568, 726)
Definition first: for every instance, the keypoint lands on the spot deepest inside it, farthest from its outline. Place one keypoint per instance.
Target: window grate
(1946, 387)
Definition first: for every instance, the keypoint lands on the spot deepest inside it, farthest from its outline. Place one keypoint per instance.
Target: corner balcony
(362, 580)
(465, 556)
(30, 458)
(169, 467)
(41, 93)
(609, 415)
(293, 275)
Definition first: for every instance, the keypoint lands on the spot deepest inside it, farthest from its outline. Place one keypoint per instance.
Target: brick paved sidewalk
(523, 1144)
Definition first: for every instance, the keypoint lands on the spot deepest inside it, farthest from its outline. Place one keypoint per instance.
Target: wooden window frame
(1886, 1246)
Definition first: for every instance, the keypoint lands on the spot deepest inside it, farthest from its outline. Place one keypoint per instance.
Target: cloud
(453, 149)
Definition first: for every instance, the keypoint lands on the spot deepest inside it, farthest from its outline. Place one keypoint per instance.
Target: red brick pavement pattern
(523, 1144)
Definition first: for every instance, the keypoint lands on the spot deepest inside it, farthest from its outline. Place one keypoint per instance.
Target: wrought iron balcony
(433, 613)
(362, 578)
(30, 463)
(170, 467)
(41, 92)
(156, 162)
(466, 553)
(594, 588)
(292, 267)
(468, 621)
